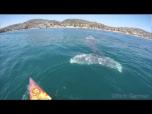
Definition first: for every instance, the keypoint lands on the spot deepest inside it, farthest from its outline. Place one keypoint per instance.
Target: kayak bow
(37, 93)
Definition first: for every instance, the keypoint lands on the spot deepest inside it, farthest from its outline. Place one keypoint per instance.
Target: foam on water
(90, 38)
(89, 59)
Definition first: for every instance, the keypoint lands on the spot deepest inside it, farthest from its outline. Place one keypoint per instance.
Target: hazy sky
(140, 21)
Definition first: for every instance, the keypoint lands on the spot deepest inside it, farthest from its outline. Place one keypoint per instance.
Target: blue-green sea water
(75, 64)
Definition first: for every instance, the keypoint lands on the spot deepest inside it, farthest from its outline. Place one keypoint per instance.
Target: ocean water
(75, 64)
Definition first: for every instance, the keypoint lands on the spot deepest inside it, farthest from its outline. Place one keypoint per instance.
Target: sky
(143, 21)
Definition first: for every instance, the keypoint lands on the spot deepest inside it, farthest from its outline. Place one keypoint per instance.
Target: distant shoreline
(76, 23)
(79, 28)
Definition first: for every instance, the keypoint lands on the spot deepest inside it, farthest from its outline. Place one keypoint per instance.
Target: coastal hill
(75, 23)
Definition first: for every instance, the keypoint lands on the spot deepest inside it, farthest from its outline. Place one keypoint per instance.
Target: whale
(91, 58)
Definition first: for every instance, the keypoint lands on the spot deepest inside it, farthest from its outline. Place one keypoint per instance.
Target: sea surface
(75, 64)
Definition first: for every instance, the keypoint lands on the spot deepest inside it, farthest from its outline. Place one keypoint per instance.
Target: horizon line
(76, 18)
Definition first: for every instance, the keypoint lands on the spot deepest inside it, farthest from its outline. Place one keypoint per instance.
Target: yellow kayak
(37, 93)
